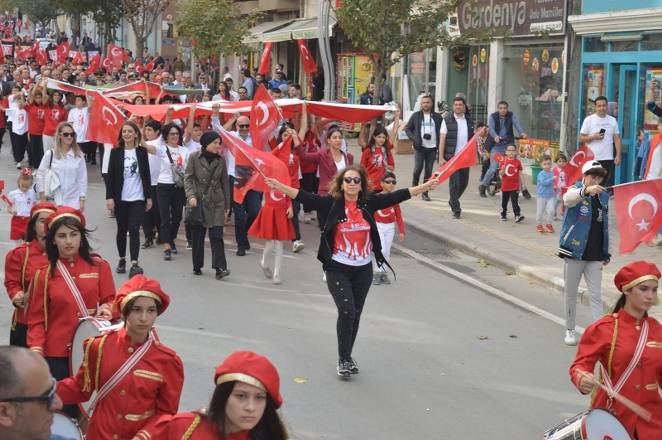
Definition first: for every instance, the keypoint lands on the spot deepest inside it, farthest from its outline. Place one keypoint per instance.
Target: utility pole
(325, 49)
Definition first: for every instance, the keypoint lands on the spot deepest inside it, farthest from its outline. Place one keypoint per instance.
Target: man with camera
(423, 130)
(600, 132)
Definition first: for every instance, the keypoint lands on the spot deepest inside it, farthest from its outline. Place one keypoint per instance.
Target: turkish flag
(347, 112)
(62, 52)
(265, 60)
(309, 65)
(2, 55)
(116, 55)
(106, 64)
(77, 58)
(42, 57)
(466, 158)
(573, 169)
(265, 117)
(638, 212)
(150, 66)
(252, 166)
(25, 52)
(105, 120)
(95, 62)
(139, 66)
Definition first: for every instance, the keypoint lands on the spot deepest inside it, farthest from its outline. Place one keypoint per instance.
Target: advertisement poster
(652, 93)
(531, 150)
(354, 72)
(593, 87)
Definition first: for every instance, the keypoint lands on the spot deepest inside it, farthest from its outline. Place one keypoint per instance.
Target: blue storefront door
(625, 93)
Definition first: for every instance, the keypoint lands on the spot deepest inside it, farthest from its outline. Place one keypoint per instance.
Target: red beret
(252, 369)
(636, 273)
(43, 207)
(140, 285)
(65, 211)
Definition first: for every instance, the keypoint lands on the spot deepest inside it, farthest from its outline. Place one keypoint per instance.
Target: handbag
(51, 181)
(177, 174)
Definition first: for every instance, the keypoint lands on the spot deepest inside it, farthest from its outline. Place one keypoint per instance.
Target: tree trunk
(75, 29)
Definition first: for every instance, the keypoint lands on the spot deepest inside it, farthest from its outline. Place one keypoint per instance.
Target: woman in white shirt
(170, 187)
(67, 162)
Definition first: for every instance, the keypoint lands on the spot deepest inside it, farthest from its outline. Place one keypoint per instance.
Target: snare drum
(595, 424)
(64, 428)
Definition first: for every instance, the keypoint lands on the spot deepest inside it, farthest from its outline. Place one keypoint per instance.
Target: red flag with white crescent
(150, 66)
(265, 59)
(62, 52)
(42, 57)
(466, 157)
(95, 62)
(309, 65)
(139, 66)
(638, 212)
(105, 119)
(25, 52)
(573, 169)
(264, 118)
(77, 58)
(106, 63)
(116, 55)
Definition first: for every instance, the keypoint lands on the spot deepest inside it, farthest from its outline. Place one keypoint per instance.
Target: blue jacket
(545, 185)
(577, 222)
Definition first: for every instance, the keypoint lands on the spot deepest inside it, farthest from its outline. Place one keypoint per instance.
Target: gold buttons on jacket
(116, 437)
(119, 416)
(123, 393)
(636, 387)
(130, 349)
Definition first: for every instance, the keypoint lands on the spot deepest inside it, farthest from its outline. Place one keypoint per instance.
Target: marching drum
(595, 424)
(64, 428)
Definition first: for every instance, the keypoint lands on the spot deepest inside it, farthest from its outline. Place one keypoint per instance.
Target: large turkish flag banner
(105, 120)
(265, 118)
(638, 212)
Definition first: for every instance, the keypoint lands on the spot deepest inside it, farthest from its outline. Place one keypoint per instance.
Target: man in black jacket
(423, 130)
(456, 130)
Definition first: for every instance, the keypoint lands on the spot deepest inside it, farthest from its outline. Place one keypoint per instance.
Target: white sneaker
(19, 165)
(323, 276)
(276, 279)
(297, 246)
(570, 337)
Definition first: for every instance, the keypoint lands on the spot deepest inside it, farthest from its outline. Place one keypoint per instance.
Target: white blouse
(72, 173)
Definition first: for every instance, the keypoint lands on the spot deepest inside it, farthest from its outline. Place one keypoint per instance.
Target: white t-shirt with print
(80, 119)
(154, 162)
(179, 158)
(22, 201)
(603, 149)
(19, 118)
(193, 146)
(133, 186)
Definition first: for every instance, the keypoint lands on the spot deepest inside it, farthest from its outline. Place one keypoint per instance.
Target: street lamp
(325, 49)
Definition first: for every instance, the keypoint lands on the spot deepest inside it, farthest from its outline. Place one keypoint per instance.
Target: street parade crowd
(254, 153)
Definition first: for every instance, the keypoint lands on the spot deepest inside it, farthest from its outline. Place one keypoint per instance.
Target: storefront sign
(516, 18)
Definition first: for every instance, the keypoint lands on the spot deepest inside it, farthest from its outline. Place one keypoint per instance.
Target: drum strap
(125, 369)
(73, 288)
(636, 357)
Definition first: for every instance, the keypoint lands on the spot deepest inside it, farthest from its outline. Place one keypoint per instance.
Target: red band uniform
(151, 389)
(612, 341)
(21, 264)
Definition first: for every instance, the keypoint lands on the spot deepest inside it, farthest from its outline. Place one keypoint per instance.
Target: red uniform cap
(65, 211)
(43, 207)
(636, 273)
(140, 285)
(252, 369)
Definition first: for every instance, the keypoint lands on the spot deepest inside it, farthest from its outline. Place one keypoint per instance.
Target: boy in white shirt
(79, 117)
(18, 116)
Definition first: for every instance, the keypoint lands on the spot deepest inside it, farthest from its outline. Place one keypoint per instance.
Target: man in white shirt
(456, 130)
(600, 132)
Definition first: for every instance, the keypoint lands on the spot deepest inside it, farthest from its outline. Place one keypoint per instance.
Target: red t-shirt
(390, 215)
(375, 163)
(5, 104)
(352, 244)
(36, 118)
(54, 115)
(311, 144)
(294, 167)
(510, 179)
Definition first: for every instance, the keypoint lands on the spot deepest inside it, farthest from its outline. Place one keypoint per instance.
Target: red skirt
(272, 224)
(19, 225)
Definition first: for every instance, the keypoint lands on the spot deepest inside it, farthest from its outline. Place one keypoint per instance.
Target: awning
(307, 28)
(256, 33)
(302, 28)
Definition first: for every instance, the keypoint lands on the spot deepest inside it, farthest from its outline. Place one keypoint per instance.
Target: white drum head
(87, 328)
(63, 428)
(600, 425)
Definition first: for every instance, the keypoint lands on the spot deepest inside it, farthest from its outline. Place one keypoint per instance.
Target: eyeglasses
(48, 397)
(390, 181)
(67, 134)
(355, 180)
(243, 125)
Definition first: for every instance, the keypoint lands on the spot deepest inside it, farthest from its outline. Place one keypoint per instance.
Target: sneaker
(276, 279)
(267, 272)
(241, 252)
(504, 218)
(526, 194)
(324, 276)
(197, 271)
(519, 219)
(550, 228)
(540, 229)
(189, 246)
(377, 279)
(426, 197)
(148, 244)
(297, 246)
(481, 191)
(385, 279)
(135, 270)
(457, 215)
(344, 368)
(353, 366)
(167, 255)
(222, 273)
(570, 338)
(18, 165)
(121, 266)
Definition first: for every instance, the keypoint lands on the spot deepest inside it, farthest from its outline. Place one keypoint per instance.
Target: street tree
(215, 26)
(39, 11)
(388, 32)
(142, 16)
(107, 13)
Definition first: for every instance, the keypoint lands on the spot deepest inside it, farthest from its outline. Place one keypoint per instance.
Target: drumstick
(629, 404)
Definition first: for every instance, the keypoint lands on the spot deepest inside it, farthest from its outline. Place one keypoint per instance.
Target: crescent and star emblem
(573, 159)
(105, 111)
(643, 197)
(265, 113)
(510, 165)
(273, 194)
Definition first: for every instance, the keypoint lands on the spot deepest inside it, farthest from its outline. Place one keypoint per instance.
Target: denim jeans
(494, 164)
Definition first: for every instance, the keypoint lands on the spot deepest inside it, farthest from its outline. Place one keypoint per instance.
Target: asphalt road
(439, 359)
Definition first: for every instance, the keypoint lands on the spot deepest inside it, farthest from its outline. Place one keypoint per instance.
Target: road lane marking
(484, 287)
(197, 332)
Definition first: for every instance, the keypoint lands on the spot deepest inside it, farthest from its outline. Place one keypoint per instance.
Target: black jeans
(423, 157)
(217, 247)
(59, 367)
(244, 215)
(309, 182)
(18, 335)
(152, 219)
(349, 289)
(458, 182)
(513, 196)
(296, 208)
(19, 145)
(129, 217)
(611, 171)
(171, 204)
(35, 150)
(90, 150)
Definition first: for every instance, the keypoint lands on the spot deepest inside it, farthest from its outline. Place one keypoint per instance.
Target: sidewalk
(516, 248)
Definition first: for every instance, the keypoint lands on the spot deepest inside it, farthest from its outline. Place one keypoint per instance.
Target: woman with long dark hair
(21, 264)
(243, 407)
(349, 238)
(628, 345)
(128, 193)
(55, 113)
(377, 158)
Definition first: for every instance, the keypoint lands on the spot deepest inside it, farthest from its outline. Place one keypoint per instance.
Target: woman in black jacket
(128, 193)
(349, 238)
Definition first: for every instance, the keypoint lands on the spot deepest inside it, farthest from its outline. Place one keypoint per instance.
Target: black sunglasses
(243, 125)
(48, 397)
(349, 180)
(68, 134)
(390, 181)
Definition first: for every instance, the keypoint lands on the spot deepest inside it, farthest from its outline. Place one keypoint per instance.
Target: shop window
(651, 42)
(479, 73)
(594, 44)
(533, 86)
(624, 46)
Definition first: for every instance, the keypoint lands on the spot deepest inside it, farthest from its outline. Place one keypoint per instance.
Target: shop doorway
(623, 106)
